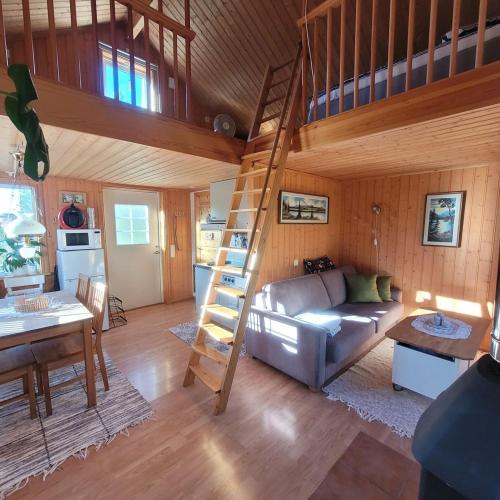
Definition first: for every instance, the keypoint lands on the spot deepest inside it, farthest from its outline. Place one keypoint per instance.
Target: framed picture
(298, 208)
(68, 197)
(443, 219)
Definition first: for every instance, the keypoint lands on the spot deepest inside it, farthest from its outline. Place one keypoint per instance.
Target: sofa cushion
(354, 331)
(327, 319)
(291, 297)
(384, 287)
(362, 288)
(384, 314)
(334, 282)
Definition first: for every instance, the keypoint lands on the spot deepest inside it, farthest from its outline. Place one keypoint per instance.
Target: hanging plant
(23, 116)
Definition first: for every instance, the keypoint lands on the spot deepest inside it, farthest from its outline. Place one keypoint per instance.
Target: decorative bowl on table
(31, 304)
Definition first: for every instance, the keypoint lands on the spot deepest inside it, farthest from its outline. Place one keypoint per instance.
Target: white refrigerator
(89, 262)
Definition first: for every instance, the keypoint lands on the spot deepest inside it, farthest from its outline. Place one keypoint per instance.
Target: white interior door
(133, 246)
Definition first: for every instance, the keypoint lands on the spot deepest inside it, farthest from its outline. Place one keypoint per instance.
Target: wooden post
(187, 23)
(3, 41)
(329, 61)
(390, 49)
(130, 25)
(114, 52)
(304, 74)
(432, 40)
(481, 28)
(342, 54)
(315, 68)
(28, 37)
(177, 94)
(52, 42)
(373, 49)
(76, 43)
(455, 25)
(95, 42)
(162, 76)
(357, 36)
(147, 57)
(409, 44)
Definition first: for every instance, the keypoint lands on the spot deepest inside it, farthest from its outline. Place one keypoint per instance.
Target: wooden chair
(24, 285)
(56, 353)
(17, 363)
(82, 288)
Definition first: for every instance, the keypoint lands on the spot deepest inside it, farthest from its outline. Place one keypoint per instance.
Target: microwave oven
(78, 239)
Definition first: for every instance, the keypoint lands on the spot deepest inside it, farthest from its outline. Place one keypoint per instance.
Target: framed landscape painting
(298, 208)
(443, 219)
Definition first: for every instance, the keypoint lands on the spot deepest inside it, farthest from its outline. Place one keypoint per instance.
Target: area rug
(37, 447)
(370, 469)
(187, 333)
(367, 388)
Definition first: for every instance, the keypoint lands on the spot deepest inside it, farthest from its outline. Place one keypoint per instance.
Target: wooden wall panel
(177, 271)
(287, 242)
(429, 276)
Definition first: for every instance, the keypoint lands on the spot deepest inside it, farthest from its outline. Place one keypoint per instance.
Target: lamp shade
(24, 226)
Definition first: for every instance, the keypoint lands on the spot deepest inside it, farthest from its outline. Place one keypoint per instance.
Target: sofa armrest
(292, 346)
(396, 294)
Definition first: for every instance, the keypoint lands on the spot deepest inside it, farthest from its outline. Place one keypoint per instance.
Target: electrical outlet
(296, 263)
(171, 83)
(172, 251)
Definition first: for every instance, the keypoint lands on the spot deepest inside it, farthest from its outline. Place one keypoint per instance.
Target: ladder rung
(229, 269)
(218, 333)
(257, 155)
(207, 377)
(281, 66)
(270, 117)
(274, 99)
(211, 353)
(280, 82)
(243, 210)
(234, 249)
(251, 191)
(257, 171)
(238, 230)
(225, 312)
(239, 293)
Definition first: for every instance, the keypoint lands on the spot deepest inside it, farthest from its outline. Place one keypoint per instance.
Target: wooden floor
(277, 439)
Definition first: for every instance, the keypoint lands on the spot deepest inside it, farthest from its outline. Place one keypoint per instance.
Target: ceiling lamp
(27, 228)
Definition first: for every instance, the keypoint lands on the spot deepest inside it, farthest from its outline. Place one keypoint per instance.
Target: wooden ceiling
(469, 139)
(86, 156)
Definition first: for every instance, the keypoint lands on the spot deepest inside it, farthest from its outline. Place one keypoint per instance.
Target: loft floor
(277, 439)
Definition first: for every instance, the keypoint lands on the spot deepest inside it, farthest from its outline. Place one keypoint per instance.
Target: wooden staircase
(259, 180)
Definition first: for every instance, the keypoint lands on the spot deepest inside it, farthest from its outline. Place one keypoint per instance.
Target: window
(132, 224)
(125, 81)
(15, 200)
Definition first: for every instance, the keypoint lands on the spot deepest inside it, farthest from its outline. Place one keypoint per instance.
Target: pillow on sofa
(328, 320)
(316, 266)
(384, 288)
(362, 288)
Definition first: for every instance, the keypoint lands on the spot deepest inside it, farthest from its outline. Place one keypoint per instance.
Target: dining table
(64, 315)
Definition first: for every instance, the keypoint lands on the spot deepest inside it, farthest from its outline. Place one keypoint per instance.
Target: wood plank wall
(177, 270)
(299, 241)
(429, 276)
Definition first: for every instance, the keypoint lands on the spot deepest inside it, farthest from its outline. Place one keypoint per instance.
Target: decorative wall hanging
(69, 197)
(298, 208)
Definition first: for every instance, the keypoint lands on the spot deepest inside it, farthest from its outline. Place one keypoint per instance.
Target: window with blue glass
(125, 80)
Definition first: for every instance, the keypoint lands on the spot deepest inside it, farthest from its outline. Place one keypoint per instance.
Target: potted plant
(12, 250)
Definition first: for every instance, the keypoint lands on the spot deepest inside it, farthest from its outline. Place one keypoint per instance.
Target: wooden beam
(329, 58)
(373, 49)
(320, 10)
(4, 56)
(357, 38)
(29, 53)
(432, 41)
(390, 50)
(409, 45)
(58, 105)
(343, 9)
(138, 20)
(481, 27)
(455, 26)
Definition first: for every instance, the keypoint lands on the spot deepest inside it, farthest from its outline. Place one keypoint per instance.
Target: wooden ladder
(259, 180)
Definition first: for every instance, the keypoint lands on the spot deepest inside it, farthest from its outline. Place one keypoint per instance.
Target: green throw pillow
(384, 287)
(361, 288)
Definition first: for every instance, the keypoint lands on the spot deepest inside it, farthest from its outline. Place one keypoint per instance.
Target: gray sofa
(311, 352)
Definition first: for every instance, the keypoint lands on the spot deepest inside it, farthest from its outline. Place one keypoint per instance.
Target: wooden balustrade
(66, 44)
(339, 60)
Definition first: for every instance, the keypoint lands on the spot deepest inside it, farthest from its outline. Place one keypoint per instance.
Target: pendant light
(27, 228)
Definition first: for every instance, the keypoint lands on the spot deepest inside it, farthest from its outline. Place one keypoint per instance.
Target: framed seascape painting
(298, 208)
(443, 219)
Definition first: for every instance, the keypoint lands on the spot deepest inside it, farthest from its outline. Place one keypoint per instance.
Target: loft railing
(349, 41)
(128, 50)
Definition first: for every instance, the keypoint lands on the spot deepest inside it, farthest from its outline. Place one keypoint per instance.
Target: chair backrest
(24, 285)
(82, 289)
(96, 304)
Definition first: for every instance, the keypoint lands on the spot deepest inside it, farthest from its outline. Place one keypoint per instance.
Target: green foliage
(18, 109)
(10, 258)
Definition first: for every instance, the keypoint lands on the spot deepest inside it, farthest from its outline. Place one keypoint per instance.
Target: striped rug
(37, 447)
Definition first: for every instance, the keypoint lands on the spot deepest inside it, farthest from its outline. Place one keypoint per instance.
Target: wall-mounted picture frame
(443, 219)
(301, 208)
(70, 197)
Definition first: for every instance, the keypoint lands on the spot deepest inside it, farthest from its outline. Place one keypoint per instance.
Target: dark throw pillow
(362, 288)
(384, 288)
(315, 266)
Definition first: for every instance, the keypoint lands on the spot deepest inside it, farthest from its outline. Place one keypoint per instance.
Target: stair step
(270, 117)
(225, 312)
(211, 353)
(257, 155)
(234, 249)
(219, 333)
(243, 210)
(207, 377)
(280, 82)
(274, 99)
(239, 293)
(229, 269)
(256, 172)
(237, 230)
(281, 66)
(251, 191)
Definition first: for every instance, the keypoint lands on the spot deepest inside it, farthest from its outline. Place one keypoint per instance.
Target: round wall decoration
(71, 217)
